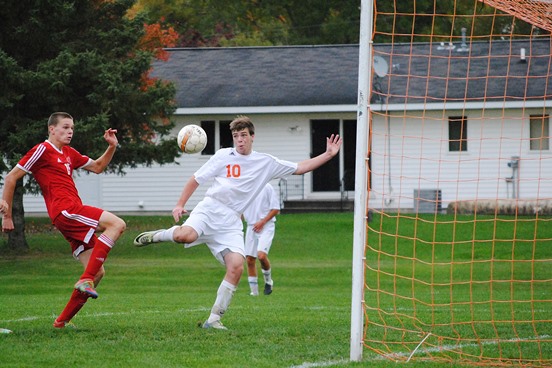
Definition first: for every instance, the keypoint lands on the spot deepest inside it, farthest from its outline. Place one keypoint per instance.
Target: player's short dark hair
(242, 122)
(57, 116)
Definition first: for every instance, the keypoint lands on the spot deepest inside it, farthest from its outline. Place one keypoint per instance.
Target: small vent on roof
(443, 46)
(464, 46)
(522, 55)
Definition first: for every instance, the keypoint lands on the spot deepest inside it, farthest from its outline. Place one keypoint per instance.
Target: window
(225, 134)
(539, 133)
(209, 127)
(458, 134)
(214, 141)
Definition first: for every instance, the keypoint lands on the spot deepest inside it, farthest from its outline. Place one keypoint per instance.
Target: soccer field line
(104, 314)
(394, 357)
(321, 364)
(451, 347)
(134, 312)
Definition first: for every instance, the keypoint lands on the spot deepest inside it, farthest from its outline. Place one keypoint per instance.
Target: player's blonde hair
(242, 122)
(57, 116)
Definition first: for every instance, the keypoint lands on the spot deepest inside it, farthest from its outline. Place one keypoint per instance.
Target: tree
(256, 23)
(92, 60)
(405, 20)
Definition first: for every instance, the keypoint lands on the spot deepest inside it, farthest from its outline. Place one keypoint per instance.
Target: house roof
(482, 71)
(262, 76)
(328, 75)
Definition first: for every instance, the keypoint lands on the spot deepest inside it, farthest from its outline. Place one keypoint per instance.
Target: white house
(298, 95)
(462, 122)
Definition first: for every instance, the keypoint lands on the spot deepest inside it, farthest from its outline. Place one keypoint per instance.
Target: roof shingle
(328, 75)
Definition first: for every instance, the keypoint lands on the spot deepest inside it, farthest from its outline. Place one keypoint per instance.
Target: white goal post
(361, 178)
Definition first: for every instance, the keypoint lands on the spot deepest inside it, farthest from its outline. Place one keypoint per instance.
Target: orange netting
(458, 261)
(535, 12)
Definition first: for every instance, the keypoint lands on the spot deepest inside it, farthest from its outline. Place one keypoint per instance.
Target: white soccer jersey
(266, 201)
(238, 179)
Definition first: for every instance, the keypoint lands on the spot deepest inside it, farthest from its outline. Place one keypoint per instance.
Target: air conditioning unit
(427, 200)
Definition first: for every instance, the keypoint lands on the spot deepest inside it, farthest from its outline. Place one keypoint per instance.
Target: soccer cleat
(87, 287)
(268, 289)
(215, 324)
(145, 238)
(63, 324)
(253, 294)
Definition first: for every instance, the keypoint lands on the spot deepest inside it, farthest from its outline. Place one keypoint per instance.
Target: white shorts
(217, 226)
(259, 242)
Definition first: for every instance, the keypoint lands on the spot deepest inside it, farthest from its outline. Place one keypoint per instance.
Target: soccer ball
(192, 139)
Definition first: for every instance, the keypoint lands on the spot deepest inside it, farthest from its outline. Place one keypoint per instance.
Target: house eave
(235, 110)
(353, 108)
(462, 106)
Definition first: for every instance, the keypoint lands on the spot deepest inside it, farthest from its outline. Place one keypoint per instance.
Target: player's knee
(236, 267)
(119, 225)
(113, 225)
(184, 234)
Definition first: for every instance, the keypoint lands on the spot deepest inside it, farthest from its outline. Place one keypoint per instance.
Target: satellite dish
(380, 66)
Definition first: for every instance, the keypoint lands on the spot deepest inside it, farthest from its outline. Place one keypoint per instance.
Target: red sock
(97, 258)
(76, 302)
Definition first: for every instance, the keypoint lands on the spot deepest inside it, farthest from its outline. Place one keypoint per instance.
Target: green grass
(463, 280)
(153, 298)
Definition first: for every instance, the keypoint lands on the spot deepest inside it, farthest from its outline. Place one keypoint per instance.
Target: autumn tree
(92, 60)
(257, 23)
(314, 22)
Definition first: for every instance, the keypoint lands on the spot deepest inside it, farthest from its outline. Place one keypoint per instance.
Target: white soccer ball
(192, 139)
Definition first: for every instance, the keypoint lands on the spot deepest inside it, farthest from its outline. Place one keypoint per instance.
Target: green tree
(90, 59)
(442, 21)
(256, 23)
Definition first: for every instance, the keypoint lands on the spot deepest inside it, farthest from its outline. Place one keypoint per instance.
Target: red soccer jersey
(53, 171)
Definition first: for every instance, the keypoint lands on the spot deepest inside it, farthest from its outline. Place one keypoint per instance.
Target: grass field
(479, 286)
(153, 298)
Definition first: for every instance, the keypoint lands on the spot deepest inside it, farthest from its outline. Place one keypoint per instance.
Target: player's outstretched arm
(187, 192)
(98, 166)
(259, 225)
(333, 144)
(7, 197)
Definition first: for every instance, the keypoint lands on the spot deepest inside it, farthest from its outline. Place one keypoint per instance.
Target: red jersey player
(52, 163)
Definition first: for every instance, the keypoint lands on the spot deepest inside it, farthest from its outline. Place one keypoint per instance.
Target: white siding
(420, 158)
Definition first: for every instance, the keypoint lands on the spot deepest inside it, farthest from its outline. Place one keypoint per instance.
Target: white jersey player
(238, 175)
(260, 217)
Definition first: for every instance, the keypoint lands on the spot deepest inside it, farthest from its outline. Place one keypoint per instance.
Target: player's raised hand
(333, 144)
(7, 224)
(177, 213)
(110, 137)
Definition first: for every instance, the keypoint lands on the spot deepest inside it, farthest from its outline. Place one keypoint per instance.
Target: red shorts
(78, 225)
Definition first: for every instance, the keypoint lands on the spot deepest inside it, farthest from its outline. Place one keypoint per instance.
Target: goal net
(453, 232)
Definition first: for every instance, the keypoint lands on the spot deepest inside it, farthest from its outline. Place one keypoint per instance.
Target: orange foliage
(156, 38)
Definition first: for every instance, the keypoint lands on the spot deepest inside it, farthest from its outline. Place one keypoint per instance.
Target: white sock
(225, 293)
(267, 275)
(253, 284)
(165, 235)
